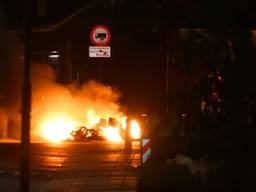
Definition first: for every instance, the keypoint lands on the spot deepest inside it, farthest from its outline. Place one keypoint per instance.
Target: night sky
(139, 31)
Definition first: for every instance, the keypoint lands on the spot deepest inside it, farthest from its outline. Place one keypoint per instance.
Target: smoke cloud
(83, 104)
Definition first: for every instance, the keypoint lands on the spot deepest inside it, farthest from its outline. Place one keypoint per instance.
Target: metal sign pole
(26, 105)
(167, 69)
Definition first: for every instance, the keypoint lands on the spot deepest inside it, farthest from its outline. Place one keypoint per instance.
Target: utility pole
(26, 103)
(167, 69)
(99, 69)
(171, 37)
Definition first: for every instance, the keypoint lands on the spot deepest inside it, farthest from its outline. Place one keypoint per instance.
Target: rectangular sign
(99, 51)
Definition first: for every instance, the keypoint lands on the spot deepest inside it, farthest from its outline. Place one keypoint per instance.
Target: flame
(135, 130)
(123, 122)
(57, 128)
(92, 118)
(58, 110)
(112, 134)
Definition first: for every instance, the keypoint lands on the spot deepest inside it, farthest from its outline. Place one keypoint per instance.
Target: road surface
(72, 167)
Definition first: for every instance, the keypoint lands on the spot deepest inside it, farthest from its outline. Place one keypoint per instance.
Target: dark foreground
(88, 166)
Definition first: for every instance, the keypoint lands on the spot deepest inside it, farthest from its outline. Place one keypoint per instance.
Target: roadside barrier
(145, 150)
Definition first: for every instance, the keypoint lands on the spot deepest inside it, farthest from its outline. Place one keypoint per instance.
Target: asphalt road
(88, 166)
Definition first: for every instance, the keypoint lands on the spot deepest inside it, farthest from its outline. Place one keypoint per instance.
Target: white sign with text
(99, 51)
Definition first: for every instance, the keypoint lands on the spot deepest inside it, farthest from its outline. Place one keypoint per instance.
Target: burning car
(104, 129)
(79, 134)
(111, 129)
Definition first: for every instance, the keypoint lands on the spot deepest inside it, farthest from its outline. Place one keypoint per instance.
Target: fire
(135, 130)
(112, 134)
(60, 111)
(92, 118)
(57, 129)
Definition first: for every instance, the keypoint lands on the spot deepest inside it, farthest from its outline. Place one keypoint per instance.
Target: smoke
(83, 104)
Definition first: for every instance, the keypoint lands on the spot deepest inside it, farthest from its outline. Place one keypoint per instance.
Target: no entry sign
(100, 35)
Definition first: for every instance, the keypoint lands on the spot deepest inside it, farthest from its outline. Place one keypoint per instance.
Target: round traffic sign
(100, 35)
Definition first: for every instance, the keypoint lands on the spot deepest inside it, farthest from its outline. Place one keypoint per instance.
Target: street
(87, 166)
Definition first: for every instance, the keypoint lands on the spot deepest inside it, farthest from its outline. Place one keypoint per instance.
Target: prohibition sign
(100, 35)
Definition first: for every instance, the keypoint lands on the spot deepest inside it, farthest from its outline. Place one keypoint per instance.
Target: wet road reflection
(51, 163)
(97, 165)
(81, 156)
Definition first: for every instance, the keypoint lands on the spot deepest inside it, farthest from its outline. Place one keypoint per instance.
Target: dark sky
(138, 28)
(176, 11)
(137, 64)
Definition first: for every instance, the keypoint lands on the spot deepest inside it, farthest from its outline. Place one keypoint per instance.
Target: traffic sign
(100, 35)
(99, 51)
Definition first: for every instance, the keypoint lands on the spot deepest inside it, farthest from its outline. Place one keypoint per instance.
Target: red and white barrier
(145, 150)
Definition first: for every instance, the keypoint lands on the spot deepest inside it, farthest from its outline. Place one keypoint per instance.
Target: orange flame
(112, 134)
(57, 128)
(58, 110)
(135, 130)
